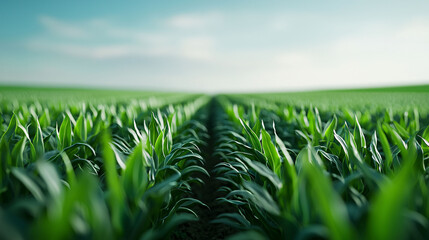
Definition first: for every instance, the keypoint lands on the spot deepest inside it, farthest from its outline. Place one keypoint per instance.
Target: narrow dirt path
(204, 229)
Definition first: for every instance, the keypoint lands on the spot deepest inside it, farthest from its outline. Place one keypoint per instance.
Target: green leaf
(308, 154)
(375, 154)
(402, 132)
(270, 152)
(159, 147)
(257, 127)
(134, 177)
(262, 198)
(69, 169)
(152, 130)
(116, 195)
(5, 162)
(18, 153)
(248, 235)
(45, 119)
(39, 146)
(342, 143)
(359, 136)
(264, 171)
(326, 201)
(386, 216)
(254, 140)
(194, 169)
(314, 124)
(386, 148)
(29, 183)
(80, 132)
(10, 129)
(235, 220)
(65, 134)
(50, 176)
(288, 175)
(328, 133)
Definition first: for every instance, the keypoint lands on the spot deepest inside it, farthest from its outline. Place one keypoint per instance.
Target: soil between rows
(207, 193)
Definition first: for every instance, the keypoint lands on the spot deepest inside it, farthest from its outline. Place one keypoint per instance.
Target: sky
(214, 46)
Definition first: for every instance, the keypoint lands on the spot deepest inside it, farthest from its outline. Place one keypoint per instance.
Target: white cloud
(294, 59)
(373, 56)
(197, 48)
(100, 39)
(61, 28)
(190, 49)
(185, 53)
(416, 30)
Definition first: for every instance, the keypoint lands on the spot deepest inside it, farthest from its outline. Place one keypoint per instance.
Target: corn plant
(104, 171)
(332, 179)
(131, 165)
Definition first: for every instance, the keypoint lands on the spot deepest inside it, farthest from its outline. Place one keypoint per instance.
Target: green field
(397, 99)
(106, 164)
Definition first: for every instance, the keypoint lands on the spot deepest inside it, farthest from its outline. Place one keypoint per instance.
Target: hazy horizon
(230, 46)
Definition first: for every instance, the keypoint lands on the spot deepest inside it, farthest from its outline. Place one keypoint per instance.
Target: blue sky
(214, 46)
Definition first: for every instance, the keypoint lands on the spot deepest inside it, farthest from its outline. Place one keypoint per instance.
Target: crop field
(104, 164)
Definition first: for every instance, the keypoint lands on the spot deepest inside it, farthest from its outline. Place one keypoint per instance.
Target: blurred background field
(396, 98)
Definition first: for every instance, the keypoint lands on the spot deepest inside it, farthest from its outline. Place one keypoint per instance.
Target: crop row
(127, 169)
(103, 171)
(352, 175)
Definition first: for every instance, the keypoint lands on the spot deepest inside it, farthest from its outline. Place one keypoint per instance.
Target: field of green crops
(98, 164)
